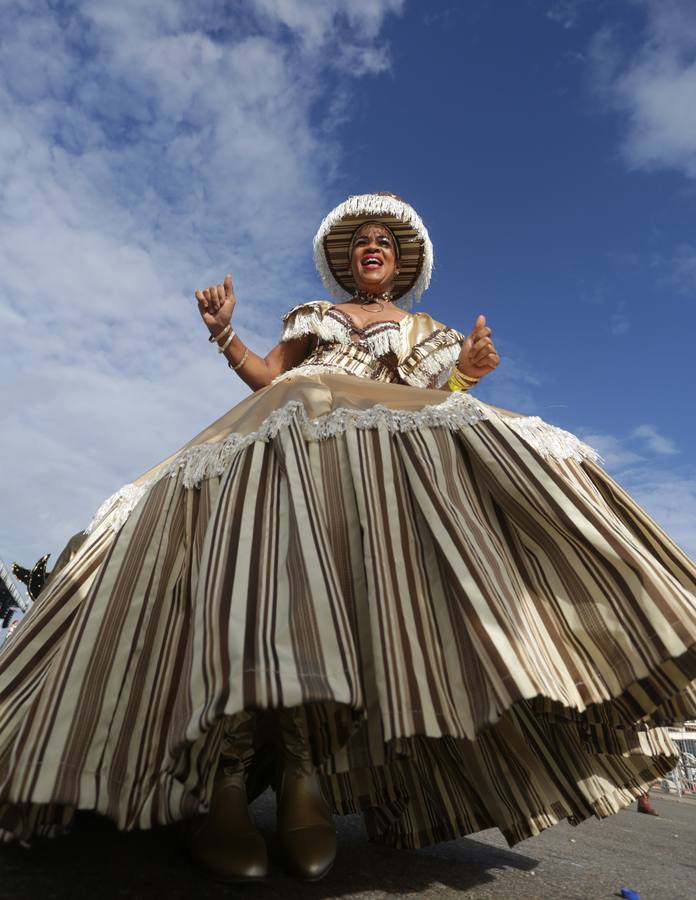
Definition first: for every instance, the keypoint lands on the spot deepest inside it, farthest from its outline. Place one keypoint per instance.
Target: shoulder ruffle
(308, 318)
(430, 362)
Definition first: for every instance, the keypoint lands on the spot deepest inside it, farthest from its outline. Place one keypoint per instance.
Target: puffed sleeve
(303, 319)
(432, 356)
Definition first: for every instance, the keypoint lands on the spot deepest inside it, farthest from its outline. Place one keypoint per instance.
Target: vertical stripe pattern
(481, 637)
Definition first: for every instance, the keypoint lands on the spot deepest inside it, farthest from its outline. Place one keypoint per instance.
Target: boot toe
(226, 855)
(310, 851)
(244, 859)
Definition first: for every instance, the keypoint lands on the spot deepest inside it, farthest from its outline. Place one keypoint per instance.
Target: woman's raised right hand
(215, 304)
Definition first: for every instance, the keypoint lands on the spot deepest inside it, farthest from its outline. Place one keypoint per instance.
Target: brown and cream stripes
(481, 636)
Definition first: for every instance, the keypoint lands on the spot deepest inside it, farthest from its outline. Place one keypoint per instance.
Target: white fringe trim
(210, 460)
(119, 505)
(308, 318)
(372, 205)
(438, 364)
(384, 342)
(551, 441)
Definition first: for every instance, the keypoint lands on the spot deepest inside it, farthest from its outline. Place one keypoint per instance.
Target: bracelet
(227, 342)
(216, 337)
(462, 377)
(458, 381)
(241, 361)
(455, 385)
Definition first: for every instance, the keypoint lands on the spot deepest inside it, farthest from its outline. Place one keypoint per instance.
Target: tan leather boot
(305, 825)
(225, 842)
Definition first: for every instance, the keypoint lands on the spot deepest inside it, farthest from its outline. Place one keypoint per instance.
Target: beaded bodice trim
(381, 351)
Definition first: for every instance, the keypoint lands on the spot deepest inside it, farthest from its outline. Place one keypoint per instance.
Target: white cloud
(655, 441)
(670, 498)
(636, 461)
(613, 450)
(564, 12)
(155, 147)
(619, 320)
(684, 269)
(654, 87)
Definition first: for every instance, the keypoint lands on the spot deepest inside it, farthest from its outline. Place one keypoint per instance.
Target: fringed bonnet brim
(332, 244)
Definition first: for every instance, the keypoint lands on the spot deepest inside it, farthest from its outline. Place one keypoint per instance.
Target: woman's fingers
(213, 298)
(202, 303)
(490, 361)
(213, 304)
(486, 355)
(481, 349)
(478, 333)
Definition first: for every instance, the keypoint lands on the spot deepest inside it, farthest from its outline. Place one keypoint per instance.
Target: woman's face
(373, 259)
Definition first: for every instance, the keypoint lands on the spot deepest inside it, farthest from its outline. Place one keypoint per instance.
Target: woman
(408, 603)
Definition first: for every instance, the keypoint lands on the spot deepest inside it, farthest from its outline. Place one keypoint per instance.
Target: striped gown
(483, 628)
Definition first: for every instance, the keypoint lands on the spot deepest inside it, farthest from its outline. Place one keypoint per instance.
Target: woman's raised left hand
(478, 356)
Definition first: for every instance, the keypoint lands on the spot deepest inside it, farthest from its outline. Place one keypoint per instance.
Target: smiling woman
(360, 585)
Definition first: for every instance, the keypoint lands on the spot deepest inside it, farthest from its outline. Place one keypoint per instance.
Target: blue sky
(147, 149)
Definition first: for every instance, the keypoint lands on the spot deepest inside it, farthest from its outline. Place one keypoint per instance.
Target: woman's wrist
(465, 368)
(459, 381)
(218, 329)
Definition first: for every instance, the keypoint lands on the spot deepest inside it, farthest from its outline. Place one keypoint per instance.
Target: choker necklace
(365, 297)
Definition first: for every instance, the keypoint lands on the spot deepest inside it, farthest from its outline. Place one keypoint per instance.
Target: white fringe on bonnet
(210, 459)
(372, 205)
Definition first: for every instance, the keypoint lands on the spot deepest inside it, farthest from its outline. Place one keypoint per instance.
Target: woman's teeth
(371, 263)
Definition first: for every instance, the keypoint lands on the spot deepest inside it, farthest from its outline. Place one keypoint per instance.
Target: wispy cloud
(655, 441)
(153, 148)
(684, 269)
(564, 12)
(654, 88)
(619, 319)
(670, 498)
(615, 452)
(637, 460)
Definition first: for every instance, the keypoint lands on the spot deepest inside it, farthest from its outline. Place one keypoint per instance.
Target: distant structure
(10, 598)
(34, 578)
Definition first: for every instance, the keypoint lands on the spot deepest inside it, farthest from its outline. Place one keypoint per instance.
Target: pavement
(655, 857)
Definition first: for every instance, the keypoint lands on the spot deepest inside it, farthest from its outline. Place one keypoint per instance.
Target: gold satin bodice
(415, 350)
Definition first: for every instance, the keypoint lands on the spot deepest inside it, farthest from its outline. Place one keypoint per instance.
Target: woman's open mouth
(371, 262)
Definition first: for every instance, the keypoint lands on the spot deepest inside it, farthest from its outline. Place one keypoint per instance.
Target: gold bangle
(227, 343)
(454, 385)
(458, 381)
(216, 337)
(241, 361)
(456, 372)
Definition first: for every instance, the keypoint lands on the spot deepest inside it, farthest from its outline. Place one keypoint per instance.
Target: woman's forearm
(259, 371)
(251, 368)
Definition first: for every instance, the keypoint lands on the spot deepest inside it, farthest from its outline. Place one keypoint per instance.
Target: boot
(645, 806)
(305, 825)
(225, 842)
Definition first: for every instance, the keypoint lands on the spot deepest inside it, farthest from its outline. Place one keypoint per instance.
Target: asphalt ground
(654, 856)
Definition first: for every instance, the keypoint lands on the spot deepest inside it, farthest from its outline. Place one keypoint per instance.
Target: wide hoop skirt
(483, 628)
